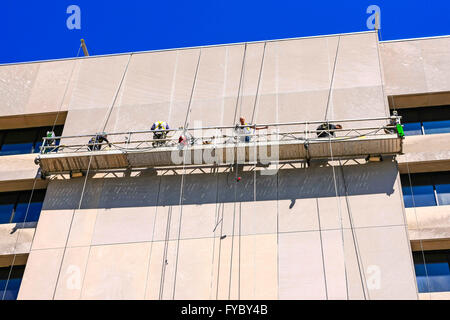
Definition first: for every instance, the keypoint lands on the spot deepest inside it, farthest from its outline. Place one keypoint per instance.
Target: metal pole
(85, 50)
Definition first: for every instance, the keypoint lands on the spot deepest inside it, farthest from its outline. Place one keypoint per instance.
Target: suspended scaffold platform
(358, 138)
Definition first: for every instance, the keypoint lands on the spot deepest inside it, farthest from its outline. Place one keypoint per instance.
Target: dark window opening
(425, 120)
(14, 206)
(434, 274)
(23, 141)
(9, 289)
(426, 189)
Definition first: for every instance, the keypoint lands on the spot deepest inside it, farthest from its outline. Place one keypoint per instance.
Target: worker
(392, 123)
(159, 132)
(325, 127)
(50, 143)
(246, 132)
(95, 143)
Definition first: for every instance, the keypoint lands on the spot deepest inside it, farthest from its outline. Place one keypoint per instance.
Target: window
(10, 289)
(434, 274)
(425, 120)
(426, 189)
(13, 206)
(22, 141)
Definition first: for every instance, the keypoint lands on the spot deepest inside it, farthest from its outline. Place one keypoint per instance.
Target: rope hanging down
(334, 173)
(34, 184)
(184, 173)
(85, 182)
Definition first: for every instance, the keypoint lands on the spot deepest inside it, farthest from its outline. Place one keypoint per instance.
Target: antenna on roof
(377, 20)
(85, 50)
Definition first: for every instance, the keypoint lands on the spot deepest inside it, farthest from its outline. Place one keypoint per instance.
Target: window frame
(39, 134)
(425, 179)
(37, 193)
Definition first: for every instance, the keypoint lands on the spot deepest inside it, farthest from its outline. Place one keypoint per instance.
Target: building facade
(332, 228)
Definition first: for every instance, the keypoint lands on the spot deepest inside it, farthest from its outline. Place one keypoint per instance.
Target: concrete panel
(334, 264)
(436, 57)
(16, 84)
(123, 225)
(53, 229)
(416, 66)
(344, 272)
(298, 215)
(154, 275)
(387, 261)
(301, 275)
(403, 67)
(258, 217)
(72, 274)
(427, 223)
(16, 238)
(41, 272)
(258, 267)
(357, 63)
(435, 296)
(425, 153)
(51, 91)
(98, 81)
(116, 272)
(372, 207)
(66, 194)
(167, 282)
(18, 167)
(82, 228)
(227, 280)
(194, 270)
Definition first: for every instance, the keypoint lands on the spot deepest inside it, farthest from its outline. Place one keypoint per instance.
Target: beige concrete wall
(16, 238)
(435, 296)
(428, 223)
(126, 241)
(138, 237)
(425, 153)
(416, 66)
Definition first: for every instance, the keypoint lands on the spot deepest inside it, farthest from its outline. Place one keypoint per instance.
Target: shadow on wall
(288, 184)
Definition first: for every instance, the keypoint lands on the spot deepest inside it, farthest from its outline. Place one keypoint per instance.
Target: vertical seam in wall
(90, 247)
(382, 78)
(173, 88)
(153, 236)
(321, 250)
(122, 80)
(405, 222)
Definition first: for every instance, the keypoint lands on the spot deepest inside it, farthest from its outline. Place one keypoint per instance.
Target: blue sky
(36, 30)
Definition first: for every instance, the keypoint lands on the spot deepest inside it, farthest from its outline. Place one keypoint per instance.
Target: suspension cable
(259, 80)
(153, 232)
(85, 182)
(34, 185)
(409, 174)
(184, 173)
(332, 77)
(17, 239)
(241, 83)
(65, 90)
(355, 239)
(334, 173)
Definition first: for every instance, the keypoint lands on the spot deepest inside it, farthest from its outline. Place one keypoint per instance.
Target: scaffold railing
(221, 135)
(353, 137)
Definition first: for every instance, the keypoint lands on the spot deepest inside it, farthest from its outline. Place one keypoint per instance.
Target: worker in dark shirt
(324, 130)
(95, 142)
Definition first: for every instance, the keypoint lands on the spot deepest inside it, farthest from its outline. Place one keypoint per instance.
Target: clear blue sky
(36, 30)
